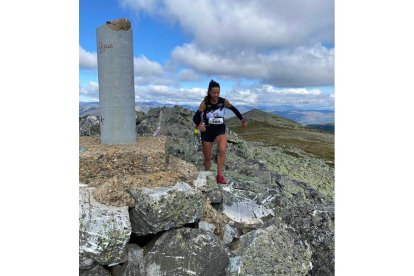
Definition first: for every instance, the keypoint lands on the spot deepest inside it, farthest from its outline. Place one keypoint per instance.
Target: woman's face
(214, 93)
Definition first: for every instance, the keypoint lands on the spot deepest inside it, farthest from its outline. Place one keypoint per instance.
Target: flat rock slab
(159, 209)
(238, 206)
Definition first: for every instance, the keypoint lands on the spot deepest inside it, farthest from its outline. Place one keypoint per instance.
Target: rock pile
(163, 215)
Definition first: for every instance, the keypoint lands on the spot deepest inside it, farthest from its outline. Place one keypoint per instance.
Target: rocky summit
(151, 209)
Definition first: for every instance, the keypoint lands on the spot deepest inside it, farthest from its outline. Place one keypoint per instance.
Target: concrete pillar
(116, 82)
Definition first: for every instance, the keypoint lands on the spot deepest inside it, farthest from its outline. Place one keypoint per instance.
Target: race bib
(215, 121)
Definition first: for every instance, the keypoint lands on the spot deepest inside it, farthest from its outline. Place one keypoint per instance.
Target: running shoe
(220, 179)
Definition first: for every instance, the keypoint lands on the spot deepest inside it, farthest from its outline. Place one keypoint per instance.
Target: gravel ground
(113, 169)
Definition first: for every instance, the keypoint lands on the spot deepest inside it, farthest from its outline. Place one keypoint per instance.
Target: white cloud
(278, 44)
(264, 95)
(89, 92)
(291, 91)
(146, 71)
(149, 72)
(298, 67)
(311, 66)
(90, 88)
(271, 96)
(243, 96)
(207, 62)
(142, 65)
(188, 75)
(149, 6)
(246, 23)
(171, 95)
(87, 60)
(275, 42)
(145, 67)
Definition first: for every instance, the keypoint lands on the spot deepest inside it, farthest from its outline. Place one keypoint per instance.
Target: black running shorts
(212, 132)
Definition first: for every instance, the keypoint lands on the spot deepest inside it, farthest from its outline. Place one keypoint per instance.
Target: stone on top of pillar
(122, 24)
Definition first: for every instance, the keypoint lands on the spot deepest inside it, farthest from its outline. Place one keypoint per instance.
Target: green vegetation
(323, 127)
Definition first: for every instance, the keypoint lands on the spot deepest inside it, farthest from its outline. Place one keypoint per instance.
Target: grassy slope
(320, 144)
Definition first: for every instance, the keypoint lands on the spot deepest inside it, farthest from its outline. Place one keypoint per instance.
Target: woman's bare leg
(207, 147)
(222, 146)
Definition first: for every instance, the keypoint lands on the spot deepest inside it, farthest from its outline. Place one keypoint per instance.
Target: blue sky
(263, 52)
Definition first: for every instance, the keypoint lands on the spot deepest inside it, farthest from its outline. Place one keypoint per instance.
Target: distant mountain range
(302, 116)
(308, 117)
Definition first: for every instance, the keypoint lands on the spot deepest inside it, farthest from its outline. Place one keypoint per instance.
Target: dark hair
(210, 85)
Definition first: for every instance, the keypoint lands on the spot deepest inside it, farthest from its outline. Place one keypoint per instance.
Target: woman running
(209, 119)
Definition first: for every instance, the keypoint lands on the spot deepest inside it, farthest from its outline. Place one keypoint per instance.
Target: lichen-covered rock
(103, 230)
(241, 155)
(85, 262)
(255, 159)
(241, 206)
(270, 251)
(229, 234)
(132, 266)
(97, 270)
(89, 125)
(206, 183)
(159, 209)
(233, 138)
(215, 217)
(177, 124)
(209, 227)
(315, 172)
(292, 193)
(261, 188)
(201, 180)
(186, 251)
(294, 184)
(316, 225)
